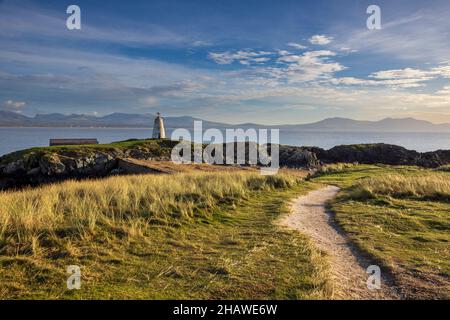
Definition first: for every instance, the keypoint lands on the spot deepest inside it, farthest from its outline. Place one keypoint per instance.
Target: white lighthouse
(158, 128)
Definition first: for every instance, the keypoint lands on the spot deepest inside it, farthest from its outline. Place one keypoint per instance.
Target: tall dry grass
(121, 205)
(445, 168)
(433, 186)
(335, 168)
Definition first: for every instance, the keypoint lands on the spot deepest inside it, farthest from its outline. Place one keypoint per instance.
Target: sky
(235, 61)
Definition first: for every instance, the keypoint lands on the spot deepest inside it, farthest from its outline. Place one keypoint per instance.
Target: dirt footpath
(348, 268)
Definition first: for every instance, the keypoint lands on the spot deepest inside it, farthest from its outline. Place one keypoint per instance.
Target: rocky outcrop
(298, 157)
(51, 164)
(36, 166)
(376, 153)
(41, 165)
(362, 153)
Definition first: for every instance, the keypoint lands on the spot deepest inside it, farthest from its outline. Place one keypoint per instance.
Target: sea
(14, 139)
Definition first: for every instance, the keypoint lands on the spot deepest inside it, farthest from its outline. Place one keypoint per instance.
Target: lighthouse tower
(158, 128)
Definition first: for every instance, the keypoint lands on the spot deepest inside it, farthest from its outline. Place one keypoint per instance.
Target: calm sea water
(13, 139)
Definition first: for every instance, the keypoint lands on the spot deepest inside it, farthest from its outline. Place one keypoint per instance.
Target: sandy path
(348, 268)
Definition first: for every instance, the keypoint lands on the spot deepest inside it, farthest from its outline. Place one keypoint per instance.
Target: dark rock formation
(362, 153)
(376, 153)
(43, 165)
(299, 157)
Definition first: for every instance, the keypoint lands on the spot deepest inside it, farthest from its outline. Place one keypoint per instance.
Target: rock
(51, 164)
(33, 167)
(298, 157)
(34, 171)
(305, 157)
(139, 154)
(373, 153)
(117, 171)
(15, 167)
(312, 157)
(101, 159)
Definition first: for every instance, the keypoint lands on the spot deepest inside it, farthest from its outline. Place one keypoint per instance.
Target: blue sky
(232, 61)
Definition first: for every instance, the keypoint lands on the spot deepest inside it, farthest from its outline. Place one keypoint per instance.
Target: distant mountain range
(126, 120)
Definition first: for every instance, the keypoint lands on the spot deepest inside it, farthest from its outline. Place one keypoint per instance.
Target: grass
(210, 235)
(337, 167)
(428, 186)
(444, 168)
(190, 235)
(400, 216)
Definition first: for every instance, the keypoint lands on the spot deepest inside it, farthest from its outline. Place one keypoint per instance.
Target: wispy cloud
(297, 45)
(311, 65)
(86, 80)
(320, 39)
(244, 57)
(407, 73)
(397, 83)
(397, 78)
(41, 22)
(15, 106)
(422, 36)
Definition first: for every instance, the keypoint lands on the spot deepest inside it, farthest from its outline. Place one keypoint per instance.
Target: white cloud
(347, 50)
(351, 81)
(309, 66)
(151, 101)
(399, 83)
(422, 36)
(244, 57)
(367, 100)
(297, 45)
(404, 78)
(83, 81)
(443, 71)
(290, 68)
(320, 53)
(49, 23)
(307, 56)
(320, 40)
(261, 59)
(283, 52)
(407, 73)
(444, 91)
(201, 43)
(13, 105)
(397, 78)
